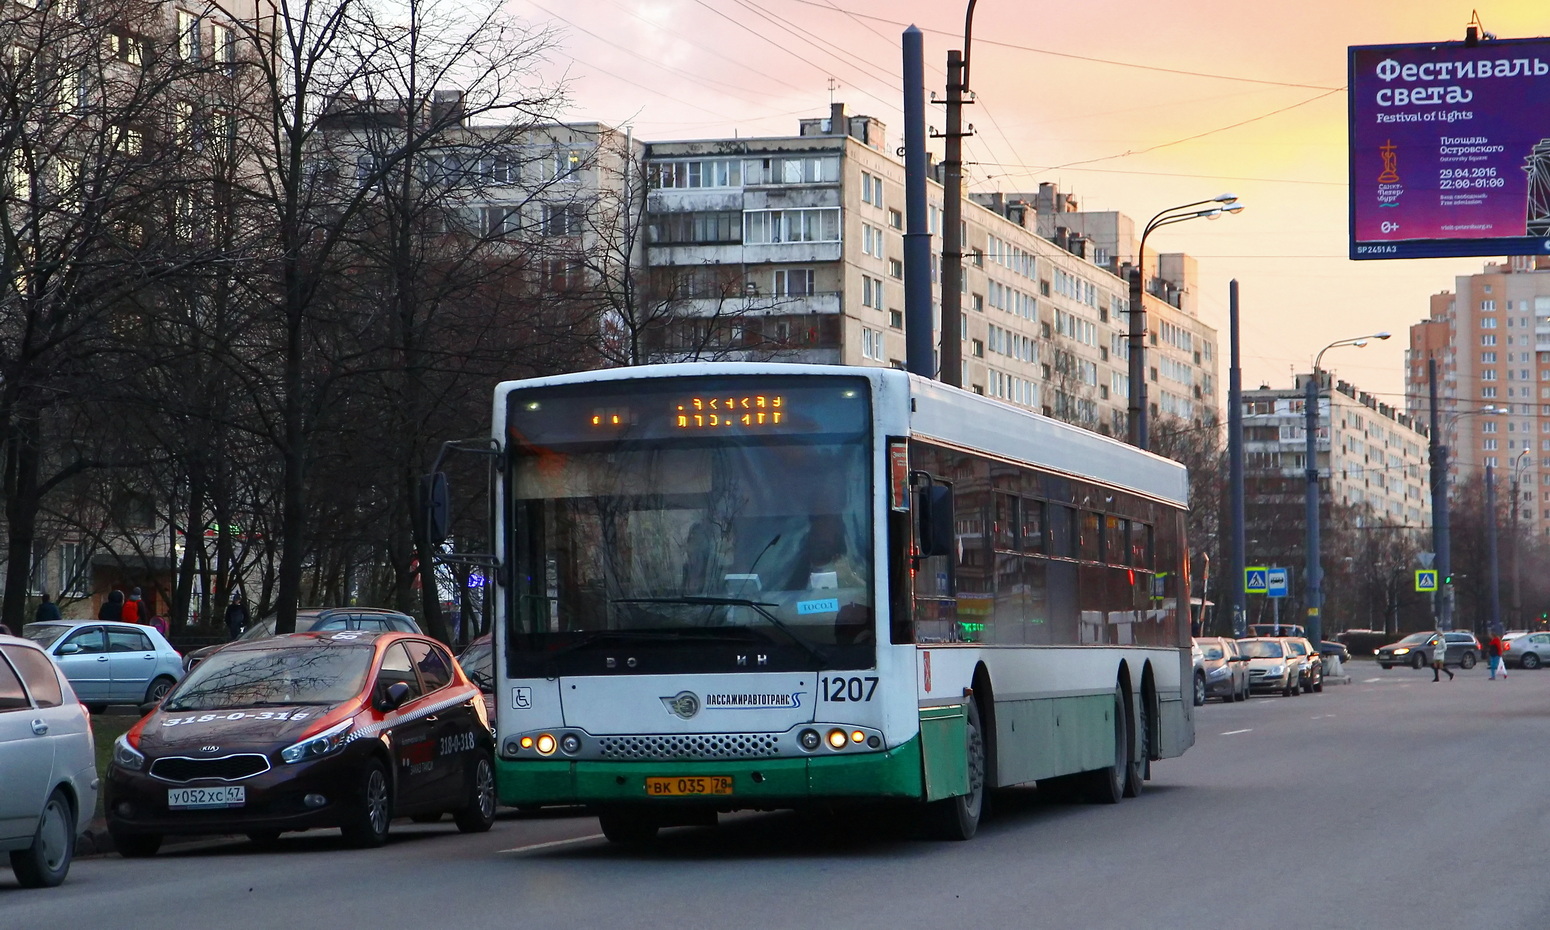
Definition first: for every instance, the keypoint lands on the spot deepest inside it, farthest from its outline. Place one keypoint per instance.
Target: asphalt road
(1392, 802)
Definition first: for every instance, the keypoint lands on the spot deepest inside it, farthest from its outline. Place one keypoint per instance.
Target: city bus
(728, 586)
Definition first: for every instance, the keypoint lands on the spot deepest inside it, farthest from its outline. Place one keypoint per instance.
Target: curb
(1337, 679)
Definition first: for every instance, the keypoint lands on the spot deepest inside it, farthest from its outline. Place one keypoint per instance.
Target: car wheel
(371, 808)
(1140, 768)
(1385, 667)
(1467, 660)
(46, 862)
(628, 829)
(1418, 661)
(96, 709)
(135, 845)
(1200, 690)
(479, 815)
(958, 818)
(1529, 660)
(1318, 684)
(158, 690)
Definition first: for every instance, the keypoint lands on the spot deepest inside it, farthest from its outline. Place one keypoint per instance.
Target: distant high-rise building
(1491, 341)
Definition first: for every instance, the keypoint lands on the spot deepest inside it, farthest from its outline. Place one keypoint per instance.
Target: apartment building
(1490, 338)
(1373, 456)
(792, 247)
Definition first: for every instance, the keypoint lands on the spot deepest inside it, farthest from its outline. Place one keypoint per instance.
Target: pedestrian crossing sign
(1426, 579)
(1256, 579)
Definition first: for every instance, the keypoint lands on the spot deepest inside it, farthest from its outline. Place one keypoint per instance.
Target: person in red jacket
(1496, 651)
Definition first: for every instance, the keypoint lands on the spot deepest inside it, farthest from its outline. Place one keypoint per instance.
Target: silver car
(1527, 650)
(47, 763)
(1226, 671)
(110, 663)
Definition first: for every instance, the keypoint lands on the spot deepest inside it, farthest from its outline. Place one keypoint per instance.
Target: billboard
(1450, 149)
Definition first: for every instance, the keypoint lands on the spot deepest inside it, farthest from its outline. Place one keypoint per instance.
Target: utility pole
(1238, 532)
(1438, 454)
(952, 210)
(918, 350)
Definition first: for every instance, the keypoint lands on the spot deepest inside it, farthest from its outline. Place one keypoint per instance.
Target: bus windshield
(678, 535)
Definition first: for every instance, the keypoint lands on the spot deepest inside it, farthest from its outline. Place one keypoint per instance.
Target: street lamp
(1518, 465)
(1200, 209)
(1313, 572)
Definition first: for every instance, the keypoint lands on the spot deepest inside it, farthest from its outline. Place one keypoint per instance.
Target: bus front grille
(691, 746)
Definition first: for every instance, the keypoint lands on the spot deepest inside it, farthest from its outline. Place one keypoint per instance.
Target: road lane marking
(554, 843)
(1236, 732)
(1368, 681)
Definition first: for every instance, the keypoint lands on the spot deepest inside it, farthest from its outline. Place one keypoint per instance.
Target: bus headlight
(545, 744)
(837, 739)
(809, 739)
(570, 744)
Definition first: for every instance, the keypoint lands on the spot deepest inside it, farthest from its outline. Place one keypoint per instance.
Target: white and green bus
(730, 586)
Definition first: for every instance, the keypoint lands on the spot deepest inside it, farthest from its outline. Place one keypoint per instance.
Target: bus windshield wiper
(603, 636)
(758, 607)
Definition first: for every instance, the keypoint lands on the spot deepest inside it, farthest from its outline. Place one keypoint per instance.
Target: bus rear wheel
(1107, 785)
(958, 818)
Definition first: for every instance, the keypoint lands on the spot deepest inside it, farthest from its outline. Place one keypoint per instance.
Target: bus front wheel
(626, 828)
(958, 818)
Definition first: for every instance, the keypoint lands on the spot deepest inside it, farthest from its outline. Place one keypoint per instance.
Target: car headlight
(1218, 672)
(322, 744)
(1276, 670)
(1400, 652)
(126, 756)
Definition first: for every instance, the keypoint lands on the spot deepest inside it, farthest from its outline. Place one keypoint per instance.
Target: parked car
(345, 728)
(110, 663)
(1415, 650)
(1226, 670)
(478, 662)
(1276, 629)
(1527, 650)
(47, 762)
(1198, 657)
(310, 619)
(1335, 649)
(1310, 663)
(1271, 666)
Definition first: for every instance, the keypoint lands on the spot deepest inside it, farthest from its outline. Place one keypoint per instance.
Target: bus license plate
(204, 798)
(689, 785)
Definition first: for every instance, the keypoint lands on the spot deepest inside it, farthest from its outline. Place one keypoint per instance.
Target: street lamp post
(1493, 569)
(1442, 533)
(1200, 209)
(1518, 465)
(1314, 581)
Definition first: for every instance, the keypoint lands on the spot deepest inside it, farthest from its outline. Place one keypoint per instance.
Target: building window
(895, 268)
(794, 282)
(189, 46)
(700, 227)
(765, 227)
(562, 220)
(871, 343)
(497, 222)
(895, 219)
(896, 319)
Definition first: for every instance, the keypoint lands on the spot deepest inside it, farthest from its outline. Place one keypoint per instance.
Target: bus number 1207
(848, 689)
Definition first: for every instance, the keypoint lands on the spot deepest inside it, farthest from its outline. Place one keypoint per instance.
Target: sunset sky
(1132, 106)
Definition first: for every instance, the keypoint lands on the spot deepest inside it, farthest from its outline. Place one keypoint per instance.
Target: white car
(47, 763)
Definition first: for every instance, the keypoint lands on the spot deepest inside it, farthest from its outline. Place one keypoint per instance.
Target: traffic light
(1447, 579)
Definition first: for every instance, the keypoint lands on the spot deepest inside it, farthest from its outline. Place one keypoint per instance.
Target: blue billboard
(1450, 149)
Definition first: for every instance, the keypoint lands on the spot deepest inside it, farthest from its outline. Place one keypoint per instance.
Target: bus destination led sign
(734, 410)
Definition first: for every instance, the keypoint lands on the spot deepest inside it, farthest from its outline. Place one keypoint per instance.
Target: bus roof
(946, 414)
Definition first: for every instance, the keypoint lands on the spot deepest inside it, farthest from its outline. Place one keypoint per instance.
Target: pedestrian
(47, 612)
(134, 610)
(113, 607)
(1496, 651)
(1439, 644)
(236, 616)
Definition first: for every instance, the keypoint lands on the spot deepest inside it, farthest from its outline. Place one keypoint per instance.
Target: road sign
(1426, 579)
(1275, 581)
(1426, 558)
(1256, 580)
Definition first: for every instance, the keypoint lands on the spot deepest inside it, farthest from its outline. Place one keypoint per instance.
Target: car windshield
(320, 672)
(1415, 639)
(45, 634)
(1296, 648)
(262, 629)
(1261, 649)
(478, 662)
(1213, 652)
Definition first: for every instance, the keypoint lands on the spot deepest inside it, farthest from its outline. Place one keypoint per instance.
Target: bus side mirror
(435, 507)
(936, 530)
